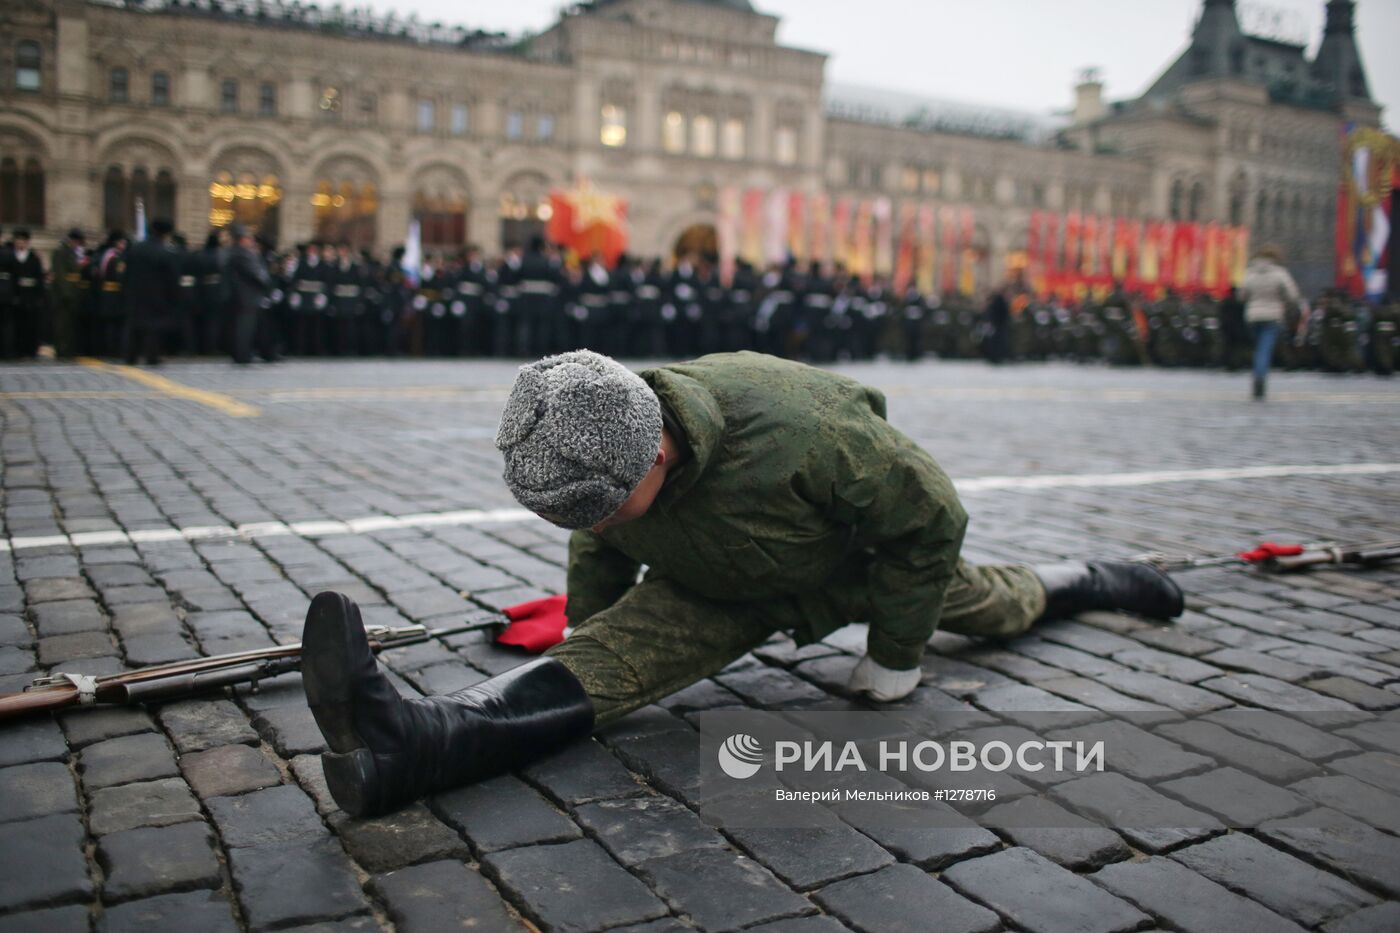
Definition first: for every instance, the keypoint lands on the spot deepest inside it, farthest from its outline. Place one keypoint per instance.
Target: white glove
(882, 684)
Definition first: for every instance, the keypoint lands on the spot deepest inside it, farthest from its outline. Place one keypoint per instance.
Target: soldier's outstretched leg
(387, 750)
(1002, 601)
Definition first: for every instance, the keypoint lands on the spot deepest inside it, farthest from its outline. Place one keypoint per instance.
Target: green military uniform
(69, 291)
(797, 507)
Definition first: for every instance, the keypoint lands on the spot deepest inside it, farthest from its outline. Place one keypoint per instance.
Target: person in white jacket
(1267, 291)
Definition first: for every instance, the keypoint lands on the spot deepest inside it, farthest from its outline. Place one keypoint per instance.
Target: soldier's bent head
(580, 433)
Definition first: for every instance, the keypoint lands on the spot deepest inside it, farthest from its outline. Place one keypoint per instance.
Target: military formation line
(161, 296)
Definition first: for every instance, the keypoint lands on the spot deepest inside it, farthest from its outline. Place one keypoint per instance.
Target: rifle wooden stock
(38, 700)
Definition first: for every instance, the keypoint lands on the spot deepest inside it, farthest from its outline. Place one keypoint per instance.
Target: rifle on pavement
(1270, 557)
(181, 679)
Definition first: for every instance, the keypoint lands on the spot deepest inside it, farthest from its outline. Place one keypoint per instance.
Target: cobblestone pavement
(372, 478)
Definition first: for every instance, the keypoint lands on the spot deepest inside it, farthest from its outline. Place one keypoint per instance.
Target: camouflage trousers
(660, 638)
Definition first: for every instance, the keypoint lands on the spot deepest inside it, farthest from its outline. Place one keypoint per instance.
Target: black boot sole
(327, 645)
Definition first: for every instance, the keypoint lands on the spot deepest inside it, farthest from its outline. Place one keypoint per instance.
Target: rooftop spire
(1338, 63)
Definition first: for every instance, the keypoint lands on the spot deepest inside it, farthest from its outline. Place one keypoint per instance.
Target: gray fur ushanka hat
(579, 432)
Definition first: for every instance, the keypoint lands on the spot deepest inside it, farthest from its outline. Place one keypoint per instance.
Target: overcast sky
(1023, 54)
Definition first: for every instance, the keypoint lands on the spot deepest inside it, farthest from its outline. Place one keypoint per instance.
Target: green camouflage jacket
(797, 493)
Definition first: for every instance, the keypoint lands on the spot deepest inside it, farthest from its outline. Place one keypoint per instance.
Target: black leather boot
(1122, 585)
(387, 751)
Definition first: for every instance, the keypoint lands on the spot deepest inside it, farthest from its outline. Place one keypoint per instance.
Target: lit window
(515, 124)
(702, 136)
(931, 182)
(459, 120)
(614, 130)
(785, 146)
(544, 127)
(160, 88)
(427, 116)
(267, 99)
(118, 86)
(673, 133)
(732, 139)
(228, 96)
(909, 179)
(27, 61)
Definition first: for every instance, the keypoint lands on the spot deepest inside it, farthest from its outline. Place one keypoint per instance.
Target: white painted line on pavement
(371, 523)
(1152, 478)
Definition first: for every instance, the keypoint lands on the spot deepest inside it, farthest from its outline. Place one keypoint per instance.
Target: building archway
(698, 239)
(524, 208)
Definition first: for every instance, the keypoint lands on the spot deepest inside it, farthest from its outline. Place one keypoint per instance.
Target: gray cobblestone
(1286, 885)
(1038, 895)
(399, 839)
(153, 803)
(440, 896)
(205, 911)
(124, 760)
(1188, 902)
(150, 861)
(556, 886)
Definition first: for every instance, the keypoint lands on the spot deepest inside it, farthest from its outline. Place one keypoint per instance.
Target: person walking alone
(1267, 291)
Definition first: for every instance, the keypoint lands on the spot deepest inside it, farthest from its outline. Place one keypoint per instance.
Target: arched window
(31, 194)
(21, 191)
(1176, 210)
(118, 86)
(442, 220)
(9, 191)
(345, 212)
(138, 190)
(673, 132)
(246, 199)
(160, 89)
(114, 199)
(1198, 201)
(1280, 211)
(163, 201)
(1261, 213)
(28, 59)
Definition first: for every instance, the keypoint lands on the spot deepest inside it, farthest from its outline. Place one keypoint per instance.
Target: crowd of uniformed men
(235, 295)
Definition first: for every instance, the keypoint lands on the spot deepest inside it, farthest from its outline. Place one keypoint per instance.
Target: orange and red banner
(587, 221)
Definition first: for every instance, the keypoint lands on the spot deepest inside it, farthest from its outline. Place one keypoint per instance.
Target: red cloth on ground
(536, 625)
(1269, 549)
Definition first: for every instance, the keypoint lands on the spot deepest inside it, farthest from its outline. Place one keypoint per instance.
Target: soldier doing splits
(762, 495)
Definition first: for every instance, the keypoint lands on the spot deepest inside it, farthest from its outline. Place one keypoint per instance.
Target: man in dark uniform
(107, 275)
(30, 295)
(762, 496)
(477, 318)
(249, 284)
(536, 310)
(7, 299)
(209, 320)
(595, 304)
(70, 287)
(188, 307)
(345, 282)
(997, 319)
(151, 285)
(309, 300)
(622, 301)
(506, 304)
(650, 337)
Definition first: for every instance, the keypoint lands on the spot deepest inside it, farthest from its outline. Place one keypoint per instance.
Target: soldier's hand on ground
(882, 684)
